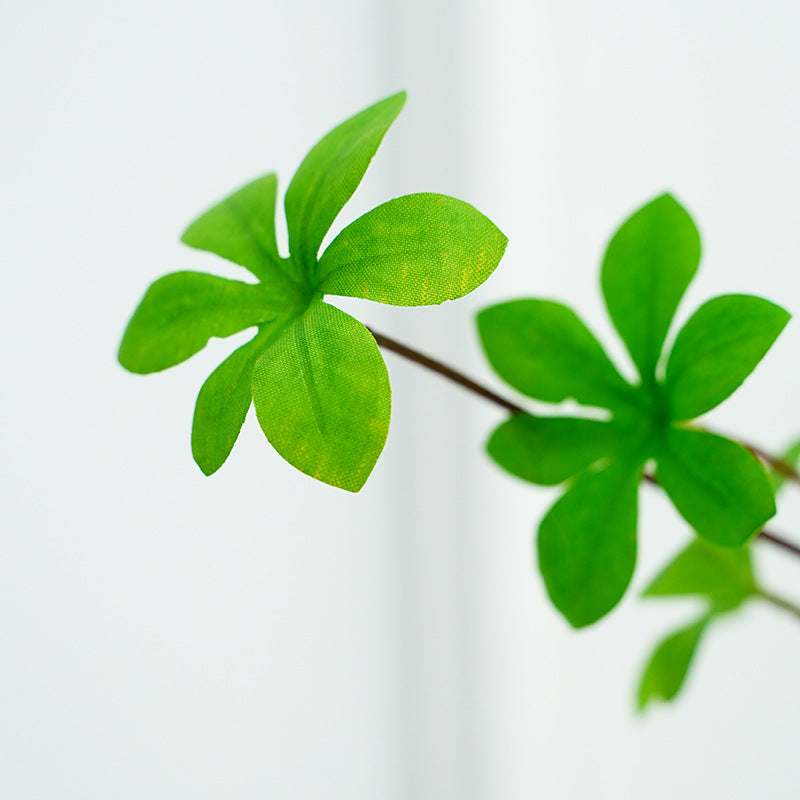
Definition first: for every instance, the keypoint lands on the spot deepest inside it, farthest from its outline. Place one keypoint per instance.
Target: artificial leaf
(182, 311)
(330, 174)
(548, 450)
(421, 249)
(718, 486)
(717, 349)
(722, 574)
(241, 228)
(543, 350)
(790, 456)
(223, 402)
(666, 670)
(587, 543)
(649, 263)
(322, 397)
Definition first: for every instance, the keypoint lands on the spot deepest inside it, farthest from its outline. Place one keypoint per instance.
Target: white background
(165, 635)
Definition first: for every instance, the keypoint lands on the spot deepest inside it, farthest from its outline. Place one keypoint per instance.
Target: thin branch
(778, 464)
(487, 394)
(779, 602)
(779, 541)
(447, 372)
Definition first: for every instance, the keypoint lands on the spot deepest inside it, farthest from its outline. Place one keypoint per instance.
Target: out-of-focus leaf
(649, 263)
(724, 575)
(718, 487)
(667, 668)
(548, 450)
(330, 174)
(420, 249)
(790, 456)
(587, 543)
(717, 349)
(543, 350)
(182, 311)
(322, 397)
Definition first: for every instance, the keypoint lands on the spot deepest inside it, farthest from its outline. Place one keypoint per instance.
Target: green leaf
(421, 249)
(587, 543)
(223, 403)
(543, 350)
(241, 228)
(548, 450)
(182, 311)
(790, 456)
(666, 670)
(724, 575)
(717, 349)
(322, 397)
(649, 263)
(718, 487)
(330, 174)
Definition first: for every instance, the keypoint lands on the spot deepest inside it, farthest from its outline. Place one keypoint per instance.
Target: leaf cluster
(586, 543)
(315, 374)
(723, 577)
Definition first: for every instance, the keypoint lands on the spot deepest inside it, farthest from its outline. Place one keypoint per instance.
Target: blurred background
(256, 634)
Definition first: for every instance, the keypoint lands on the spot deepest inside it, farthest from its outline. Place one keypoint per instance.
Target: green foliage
(717, 349)
(723, 578)
(791, 457)
(669, 664)
(721, 575)
(586, 543)
(719, 488)
(315, 374)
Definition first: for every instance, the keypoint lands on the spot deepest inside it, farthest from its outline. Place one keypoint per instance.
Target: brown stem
(487, 394)
(779, 602)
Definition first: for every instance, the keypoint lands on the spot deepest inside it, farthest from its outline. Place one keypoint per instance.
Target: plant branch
(487, 394)
(779, 602)
(447, 372)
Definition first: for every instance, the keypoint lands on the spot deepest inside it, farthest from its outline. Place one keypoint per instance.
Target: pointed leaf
(322, 397)
(722, 574)
(667, 668)
(543, 350)
(182, 311)
(587, 543)
(330, 174)
(224, 400)
(790, 456)
(241, 228)
(420, 249)
(717, 349)
(549, 450)
(649, 263)
(718, 487)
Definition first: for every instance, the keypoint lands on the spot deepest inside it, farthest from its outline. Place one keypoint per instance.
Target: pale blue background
(257, 635)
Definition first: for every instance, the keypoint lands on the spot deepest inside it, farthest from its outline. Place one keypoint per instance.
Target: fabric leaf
(543, 350)
(421, 249)
(223, 403)
(241, 228)
(717, 349)
(548, 450)
(322, 397)
(330, 174)
(724, 575)
(182, 311)
(718, 487)
(649, 263)
(667, 668)
(587, 543)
